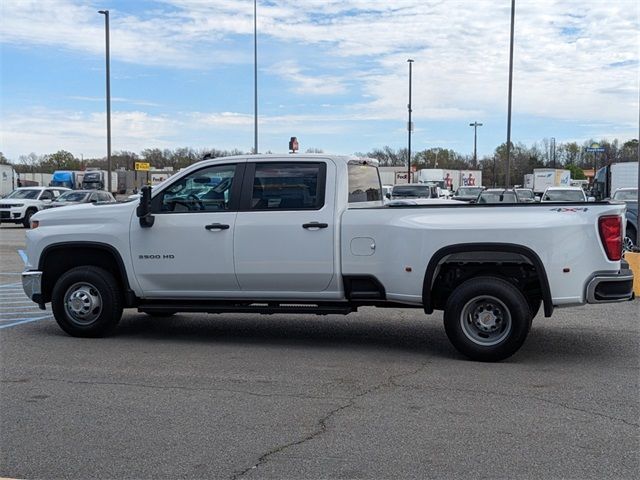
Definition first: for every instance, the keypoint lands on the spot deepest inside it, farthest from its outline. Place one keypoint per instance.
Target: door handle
(315, 225)
(217, 226)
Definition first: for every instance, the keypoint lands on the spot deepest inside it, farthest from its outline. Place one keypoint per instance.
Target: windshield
(626, 195)
(497, 197)
(26, 194)
(468, 191)
(564, 196)
(412, 191)
(72, 197)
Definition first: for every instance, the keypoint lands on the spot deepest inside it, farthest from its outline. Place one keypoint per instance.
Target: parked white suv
(22, 203)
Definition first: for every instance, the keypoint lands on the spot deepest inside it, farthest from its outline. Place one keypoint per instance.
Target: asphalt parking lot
(377, 394)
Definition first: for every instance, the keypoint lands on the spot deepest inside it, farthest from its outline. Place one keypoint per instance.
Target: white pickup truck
(311, 234)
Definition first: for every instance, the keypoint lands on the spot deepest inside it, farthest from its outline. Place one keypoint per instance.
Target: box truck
(612, 177)
(550, 177)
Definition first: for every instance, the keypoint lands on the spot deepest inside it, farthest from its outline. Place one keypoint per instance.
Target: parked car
(22, 203)
(467, 194)
(75, 197)
(630, 197)
(565, 194)
(414, 190)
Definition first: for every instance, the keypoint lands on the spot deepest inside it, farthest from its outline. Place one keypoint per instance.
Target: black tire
(164, 314)
(487, 319)
(87, 302)
(26, 221)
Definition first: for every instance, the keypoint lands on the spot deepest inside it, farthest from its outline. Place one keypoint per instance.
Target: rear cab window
(364, 184)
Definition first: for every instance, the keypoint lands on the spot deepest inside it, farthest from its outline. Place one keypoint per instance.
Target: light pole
(255, 76)
(513, 17)
(106, 33)
(553, 151)
(409, 126)
(475, 126)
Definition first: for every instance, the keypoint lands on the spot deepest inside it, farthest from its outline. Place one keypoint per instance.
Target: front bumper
(32, 285)
(611, 287)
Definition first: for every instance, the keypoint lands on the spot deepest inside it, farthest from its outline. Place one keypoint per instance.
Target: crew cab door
(284, 237)
(188, 252)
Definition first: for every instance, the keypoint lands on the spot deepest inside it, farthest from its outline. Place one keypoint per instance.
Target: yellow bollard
(634, 264)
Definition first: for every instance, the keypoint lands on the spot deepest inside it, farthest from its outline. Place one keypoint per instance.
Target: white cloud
(574, 60)
(305, 84)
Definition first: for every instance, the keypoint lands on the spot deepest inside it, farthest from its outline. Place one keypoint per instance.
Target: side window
(288, 186)
(104, 197)
(46, 195)
(364, 184)
(207, 190)
(94, 197)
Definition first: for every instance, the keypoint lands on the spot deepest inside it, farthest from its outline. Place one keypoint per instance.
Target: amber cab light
(611, 235)
(34, 224)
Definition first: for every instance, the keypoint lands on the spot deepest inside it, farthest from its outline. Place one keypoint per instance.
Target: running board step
(265, 308)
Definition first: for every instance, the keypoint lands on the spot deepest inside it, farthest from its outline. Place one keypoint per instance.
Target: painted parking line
(22, 321)
(16, 308)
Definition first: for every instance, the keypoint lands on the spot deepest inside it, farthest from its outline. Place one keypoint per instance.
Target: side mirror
(144, 209)
(537, 198)
(388, 195)
(591, 199)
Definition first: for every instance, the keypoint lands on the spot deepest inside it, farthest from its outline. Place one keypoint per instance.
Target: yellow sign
(145, 166)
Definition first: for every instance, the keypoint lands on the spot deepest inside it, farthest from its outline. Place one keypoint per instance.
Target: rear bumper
(606, 288)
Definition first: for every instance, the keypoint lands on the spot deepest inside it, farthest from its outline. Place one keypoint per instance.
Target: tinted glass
(288, 186)
(364, 184)
(72, 197)
(626, 195)
(564, 196)
(26, 194)
(526, 194)
(468, 191)
(412, 191)
(46, 195)
(206, 190)
(497, 197)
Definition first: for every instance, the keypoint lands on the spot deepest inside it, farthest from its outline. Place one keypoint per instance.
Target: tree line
(524, 159)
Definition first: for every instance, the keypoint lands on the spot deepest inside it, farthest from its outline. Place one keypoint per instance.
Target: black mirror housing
(144, 209)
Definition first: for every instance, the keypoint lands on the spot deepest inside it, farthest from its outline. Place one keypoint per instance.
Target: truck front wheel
(487, 319)
(86, 302)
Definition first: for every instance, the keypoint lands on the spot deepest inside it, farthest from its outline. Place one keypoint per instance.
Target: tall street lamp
(553, 151)
(475, 126)
(409, 126)
(255, 76)
(106, 30)
(513, 16)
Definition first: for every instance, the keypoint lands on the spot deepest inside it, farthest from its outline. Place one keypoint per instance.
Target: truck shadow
(410, 332)
(331, 331)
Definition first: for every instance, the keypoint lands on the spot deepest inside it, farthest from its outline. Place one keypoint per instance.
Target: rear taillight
(611, 235)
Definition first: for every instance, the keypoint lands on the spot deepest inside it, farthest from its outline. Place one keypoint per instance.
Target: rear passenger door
(284, 237)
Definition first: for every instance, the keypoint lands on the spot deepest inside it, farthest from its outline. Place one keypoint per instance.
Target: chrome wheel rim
(485, 320)
(627, 244)
(83, 303)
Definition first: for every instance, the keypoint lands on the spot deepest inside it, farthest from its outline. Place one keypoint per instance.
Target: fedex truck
(450, 179)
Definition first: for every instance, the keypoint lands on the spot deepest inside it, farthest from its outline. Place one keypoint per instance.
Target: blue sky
(331, 72)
